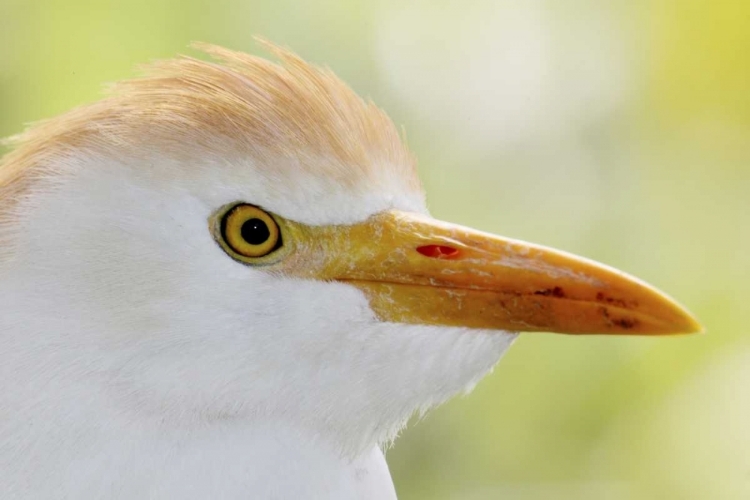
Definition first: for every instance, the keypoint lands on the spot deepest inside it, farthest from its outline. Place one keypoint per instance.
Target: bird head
(248, 240)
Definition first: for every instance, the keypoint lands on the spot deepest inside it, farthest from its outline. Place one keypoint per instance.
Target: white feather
(140, 361)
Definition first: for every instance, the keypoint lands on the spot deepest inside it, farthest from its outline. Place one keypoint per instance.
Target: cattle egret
(222, 281)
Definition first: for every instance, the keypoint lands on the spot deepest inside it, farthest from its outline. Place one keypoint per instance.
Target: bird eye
(250, 231)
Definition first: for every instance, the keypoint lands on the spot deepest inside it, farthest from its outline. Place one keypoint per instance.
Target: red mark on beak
(438, 251)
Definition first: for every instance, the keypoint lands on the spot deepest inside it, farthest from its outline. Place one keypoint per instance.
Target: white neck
(104, 454)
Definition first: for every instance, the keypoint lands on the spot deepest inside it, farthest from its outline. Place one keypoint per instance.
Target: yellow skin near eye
(233, 231)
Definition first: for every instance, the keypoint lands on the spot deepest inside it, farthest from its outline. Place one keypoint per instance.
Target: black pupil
(255, 231)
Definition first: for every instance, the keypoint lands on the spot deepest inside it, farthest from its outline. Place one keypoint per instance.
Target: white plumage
(140, 361)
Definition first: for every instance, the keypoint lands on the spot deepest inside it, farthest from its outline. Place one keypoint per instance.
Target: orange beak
(418, 270)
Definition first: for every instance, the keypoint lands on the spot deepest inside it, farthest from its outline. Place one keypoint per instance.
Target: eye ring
(250, 231)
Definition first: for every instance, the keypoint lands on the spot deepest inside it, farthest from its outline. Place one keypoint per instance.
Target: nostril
(438, 251)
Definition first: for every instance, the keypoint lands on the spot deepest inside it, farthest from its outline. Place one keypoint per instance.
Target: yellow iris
(250, 232)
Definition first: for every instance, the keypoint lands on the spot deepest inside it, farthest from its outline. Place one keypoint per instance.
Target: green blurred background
(617, 130)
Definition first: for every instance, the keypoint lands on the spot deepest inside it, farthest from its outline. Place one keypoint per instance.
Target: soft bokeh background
(618, 130)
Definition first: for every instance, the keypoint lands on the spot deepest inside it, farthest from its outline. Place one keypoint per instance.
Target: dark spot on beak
(625, 323)
(600, 297)
(551, 292)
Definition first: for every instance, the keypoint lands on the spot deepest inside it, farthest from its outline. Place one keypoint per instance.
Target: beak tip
(696, 327)
(688, 324)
